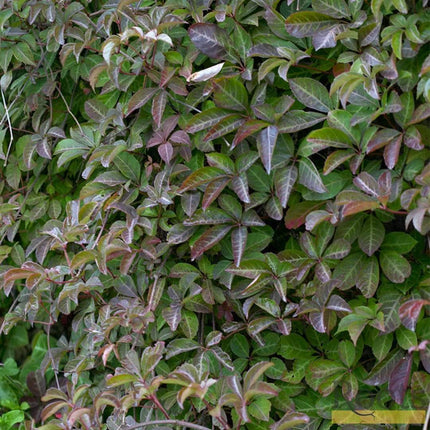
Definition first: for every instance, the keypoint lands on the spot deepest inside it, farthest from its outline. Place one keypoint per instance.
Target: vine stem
(157, 403)
(173, 422)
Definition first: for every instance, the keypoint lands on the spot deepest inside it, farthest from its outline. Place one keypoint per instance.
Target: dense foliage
(213, 214)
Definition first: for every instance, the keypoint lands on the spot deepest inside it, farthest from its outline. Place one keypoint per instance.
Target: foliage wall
(214, 214)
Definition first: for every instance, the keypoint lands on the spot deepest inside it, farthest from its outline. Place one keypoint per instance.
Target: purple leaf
(238, 243)
(209, 39)
(399, 379)
(208, 239)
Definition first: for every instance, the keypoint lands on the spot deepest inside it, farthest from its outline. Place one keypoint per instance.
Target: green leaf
(23, 53)
(229, 93)
(310, 92)
(347, 352)
(294, 347)
(396, 43)
(368, 276)
(420, 389)
(323, 138)
(260, 409)
(323, 368)
(354, 324)
(371, 236)
(9, 419)
(82, 258)
(381, 345)
(335, 159)
(189, 323)
(406, 338)
(398, 241)
(128, 165)
(395, 267)
(239, 346)
(117, 380)
(334, 8)
(334, 183)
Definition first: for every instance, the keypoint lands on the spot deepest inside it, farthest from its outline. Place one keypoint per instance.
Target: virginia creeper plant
(213, 214)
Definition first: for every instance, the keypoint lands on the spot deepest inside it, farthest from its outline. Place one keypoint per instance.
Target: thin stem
(172, 422)
(70, 112)
(392, 211)
(157, 403)
(239, 423)
(9, 124)
(427, 420)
